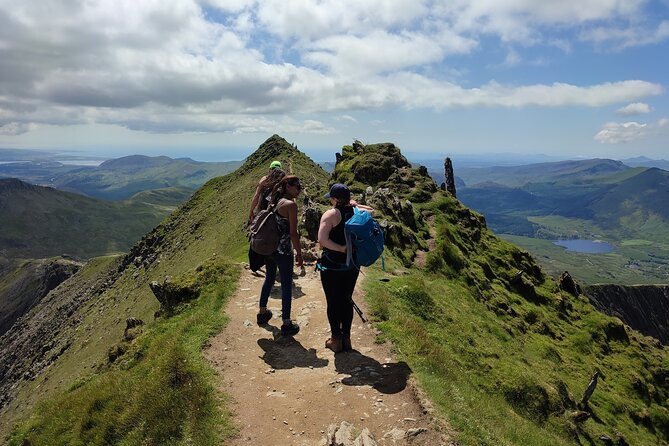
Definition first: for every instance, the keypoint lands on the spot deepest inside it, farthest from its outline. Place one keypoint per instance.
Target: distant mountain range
(121, 178)
(517, 171)
(642, 161)
(41, 222)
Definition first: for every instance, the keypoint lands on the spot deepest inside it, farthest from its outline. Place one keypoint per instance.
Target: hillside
(24, 287)
(120, 178)
(501, 351)
(40, 222)
(627, 208)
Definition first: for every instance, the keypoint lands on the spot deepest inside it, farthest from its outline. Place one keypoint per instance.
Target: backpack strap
(321, 267)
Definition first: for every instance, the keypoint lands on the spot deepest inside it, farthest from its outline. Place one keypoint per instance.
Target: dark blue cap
(340, 191)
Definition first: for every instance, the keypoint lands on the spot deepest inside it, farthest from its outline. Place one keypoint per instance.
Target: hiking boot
(290, 330)
(334, 344)
(263, 317)
(346, 343)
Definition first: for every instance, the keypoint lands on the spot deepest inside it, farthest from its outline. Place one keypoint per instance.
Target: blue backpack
(364, 239)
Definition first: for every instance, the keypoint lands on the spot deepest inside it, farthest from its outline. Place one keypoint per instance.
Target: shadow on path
(386, 378)
(287, 352)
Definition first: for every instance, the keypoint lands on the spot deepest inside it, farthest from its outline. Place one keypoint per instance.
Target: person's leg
(346, 314)
(285, 264)
(329, 281)
(270, 275)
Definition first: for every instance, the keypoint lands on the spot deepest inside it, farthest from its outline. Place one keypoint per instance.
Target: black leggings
(338, 287)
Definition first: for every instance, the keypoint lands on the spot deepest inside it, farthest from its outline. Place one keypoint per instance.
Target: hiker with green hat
(264, 189)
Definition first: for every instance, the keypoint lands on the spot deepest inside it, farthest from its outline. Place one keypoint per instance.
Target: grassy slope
(169, 197)
(41, 222)
(507, 369)
(210, 226)
(506, 360)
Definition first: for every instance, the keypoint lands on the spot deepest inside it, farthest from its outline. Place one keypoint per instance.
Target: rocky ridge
(28, 284)
(643, 307)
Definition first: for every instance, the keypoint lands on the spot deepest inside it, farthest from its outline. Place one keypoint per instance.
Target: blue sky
(212, 79)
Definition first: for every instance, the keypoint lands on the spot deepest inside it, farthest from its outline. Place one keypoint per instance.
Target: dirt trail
(290, 391)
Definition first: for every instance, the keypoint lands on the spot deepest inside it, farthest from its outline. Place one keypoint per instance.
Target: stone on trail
(345, 435)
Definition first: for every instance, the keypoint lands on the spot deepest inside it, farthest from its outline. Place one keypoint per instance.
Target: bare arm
(329, 220)
(289, 207)
(363, 207)
(254, 202)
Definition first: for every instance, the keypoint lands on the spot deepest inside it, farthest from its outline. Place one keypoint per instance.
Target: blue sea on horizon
(586, 246)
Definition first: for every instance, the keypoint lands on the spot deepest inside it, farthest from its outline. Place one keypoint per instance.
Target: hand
(299, 260)
(353, 203)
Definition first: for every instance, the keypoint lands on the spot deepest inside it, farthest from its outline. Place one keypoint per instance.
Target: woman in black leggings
(338, 281)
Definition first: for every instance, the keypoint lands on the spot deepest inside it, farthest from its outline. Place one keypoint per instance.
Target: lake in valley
(586, 246)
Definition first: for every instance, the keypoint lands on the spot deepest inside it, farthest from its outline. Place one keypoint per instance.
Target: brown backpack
(264, 232)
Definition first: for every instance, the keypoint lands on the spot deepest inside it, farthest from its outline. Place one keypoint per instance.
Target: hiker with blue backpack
(283, 209)
(338, 272)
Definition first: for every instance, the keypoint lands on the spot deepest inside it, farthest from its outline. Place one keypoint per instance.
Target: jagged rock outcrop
(172, 293)
(28, 284)
(642, 307)
(450, 177)
(567, 283)
(368, 164)
(311, 218)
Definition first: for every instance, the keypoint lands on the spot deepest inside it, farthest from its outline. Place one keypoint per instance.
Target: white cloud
(636, 108)
(381, 51)
(167, 66)
(523, 20)
(623, 132)
(416, 91)
(614, 132)
(230, 5)
(315, 19)
(632, 36)
(347, 118)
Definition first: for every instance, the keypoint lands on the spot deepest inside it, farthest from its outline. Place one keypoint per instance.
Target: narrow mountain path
(294, 391)
(421, 256)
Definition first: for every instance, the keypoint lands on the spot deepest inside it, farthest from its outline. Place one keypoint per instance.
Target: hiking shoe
(290, 330)
(334, 344)
(263, 318)
(346, 343)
